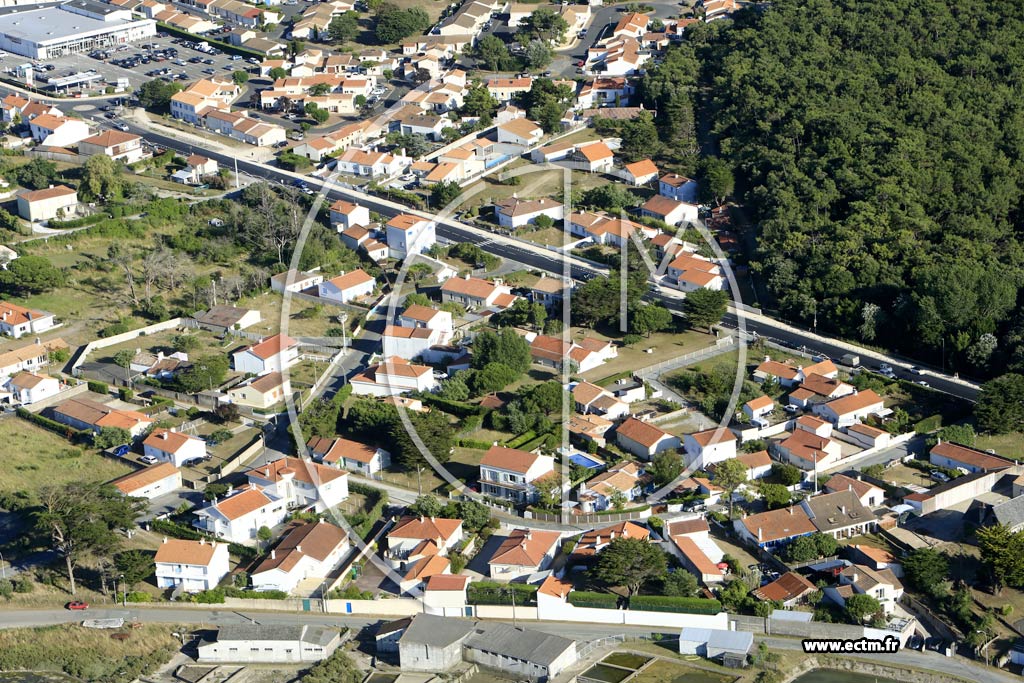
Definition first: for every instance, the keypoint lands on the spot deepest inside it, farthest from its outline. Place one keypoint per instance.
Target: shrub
(125, 394)
(139, 596)
(214, 596)
(6, 589)
(98, 387)
(23, 584)
(591, 599)
(664, 603)
(521, 439)
(233, 592)
(244, 552)
(493, 593)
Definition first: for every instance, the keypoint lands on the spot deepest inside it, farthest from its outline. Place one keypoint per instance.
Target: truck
(850, 360)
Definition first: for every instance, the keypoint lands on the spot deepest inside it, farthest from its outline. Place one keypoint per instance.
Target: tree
(101, 177)
(475, 516)
(640, 138)
(1002, 553)
(538, 54)
(705, 307)
(394, 23)
(629, 563)
(618, 500)
(718, 181)
(215, 491)
(788, 475)
(264, 534)
(1000, 406)
(544, 25)
(549, 491)
(860, 606)
(277, 73)
(135, 566)
(650, 318)
(505, 347)
(492, 53)
(478, 100)
(547, 102)
(205, 374)
(426, 506)
(775, 495)
(186, 343)
(679, 583)
(729, 475)
(665, 467)
(240, 77)
(611, 197)
(492, 377)
(344, 27)
(434, 432)
(109, 437)
(123, 359)
(444, 193)
(454, 388)
(927, 570)
(83, 520)
(30, 274)
(37, 174)
(320, 417)
(316, 113)
(156, 95)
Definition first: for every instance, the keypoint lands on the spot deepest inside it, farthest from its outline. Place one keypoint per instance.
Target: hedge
(98, 387)
(76, 222)
(591, 599)
(929, 424)
(473, 443)
(521, 439)
(176, 530)
(363, 522)
(623, 511)
(233, 592)
(226, 47)
(492, 593)
(665, 603)
(53, 426)
(456, 408)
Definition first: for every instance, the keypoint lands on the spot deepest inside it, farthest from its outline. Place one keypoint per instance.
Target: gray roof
(719, 639)
(519, 643)
(221, 316)
(427, 629)
(837, 510)
(317, 635)
(48, 23)
(1010, 513)
(789, 615)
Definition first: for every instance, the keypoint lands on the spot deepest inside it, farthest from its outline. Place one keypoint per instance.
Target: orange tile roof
(13, 314)
(859, 401)
(589, 541)
(426, 528)
(674, 180)
(692, 552)
(420, 313)
(841, 482)
(351, 279)
(428, 567)
(167, 441)
(710, 437)
(525, 547)
(308, 472)
(335, 450)
(272, 346)
(641, 168)
(595, 151)
(789, 586)
(144, 477)
(758, 459)
(314, 539)
(774, 368)
(970, 456)
(405, 221)
(110, 138)
(643, 433)
(447, 582)
(472, 287)
(242, 503)
(555, 587)
(760, 402)
(178, 551)
(780, 524)
(523, 128)
(48, 193)
(511, 459)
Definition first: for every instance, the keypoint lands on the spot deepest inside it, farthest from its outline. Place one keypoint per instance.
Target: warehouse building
(50, 30)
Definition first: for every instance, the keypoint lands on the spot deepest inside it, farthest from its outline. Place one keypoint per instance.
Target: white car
(149, 459)
(791, 409)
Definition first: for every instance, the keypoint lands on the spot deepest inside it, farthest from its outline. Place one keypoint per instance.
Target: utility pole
(236, 174)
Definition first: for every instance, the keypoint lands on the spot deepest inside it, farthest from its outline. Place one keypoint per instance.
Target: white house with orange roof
(515, 213)
(790, 373)
(413, 538)
(345, 214)
(393, 376)
(808, 451)
(408, 234)
(150, 482)
(867, 436)
(173, 447)
(605, 229)
(592, 399)
(522, 553)
(294, 281)
(505, 89)
(58, 201)
(709, 446)
(274, 354)
(473, 292)
(759, 464)
(239, 516)
(592, 542)
(17, 321)
(522, 133)
(84, 413)
(643, 439)
(347, 286)
(691, 272)
(851, 409)
(511, 474)
(408, 342)
(678, 187)
(869, 495)
(27, 387)
(445, 595)
(301, 483)
(58, 131)
(594, 157)
(596, 494)
(349, 455)
(310, 551)
(640, 172)
(370, 164)
(814, 425)
(263, 391)
(758, 408)
(117, 145)
(429, 318)
(669, 210)
(192, 566)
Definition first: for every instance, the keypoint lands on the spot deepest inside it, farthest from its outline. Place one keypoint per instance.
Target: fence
(119, 338)
(722, 345)
(591, 518)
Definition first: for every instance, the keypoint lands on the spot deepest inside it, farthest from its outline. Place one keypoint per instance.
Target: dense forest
(878, 146)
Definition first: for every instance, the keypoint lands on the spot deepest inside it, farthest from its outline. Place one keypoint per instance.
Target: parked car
(77, 605)
(914, 370)
(149, 459)
(938, 476)
(791, 409)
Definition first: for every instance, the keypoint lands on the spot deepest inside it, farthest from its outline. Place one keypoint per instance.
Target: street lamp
(124, 590)
(3, 572)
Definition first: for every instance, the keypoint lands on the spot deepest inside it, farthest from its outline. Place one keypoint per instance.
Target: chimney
(842, 509)
(273, 554)
(760, 535)
(163, 435)
(165, 539)
(598, 542)
(298, 548)
(791, 509)
(202, 541)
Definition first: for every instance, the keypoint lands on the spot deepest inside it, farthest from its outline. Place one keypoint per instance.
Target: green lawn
(32, 459)
(1007, 445)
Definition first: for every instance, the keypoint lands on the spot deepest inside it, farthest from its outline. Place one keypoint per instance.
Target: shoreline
(868, 668)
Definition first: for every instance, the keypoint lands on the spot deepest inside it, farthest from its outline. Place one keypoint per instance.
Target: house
(58, 131)
(880, 584)
(775, 528)
(729, 647)
(274, 354)
(408, 234)
(310, 551)
(220, 319)
(669, 210)
(789, 589)
(691, 272)
(191, 566)
(595, 157)
(349, 455)
(174, 447)
(150, 482)
(602, 228)
(790, 374)
(239, 516)
(868, 494)
(514, 213)
(944, 496)
(694, 560)
(845, 411)
(594, 541)
(511, 474)
(345, 215)
(117, 145)
(294, 281)
(589, 428)
(252, 643)
(31, 357)
(445, 595)
(347, 286)
(816, 389)
(757, 409)
(504, 89)
(590, 398)
(519, 652)
(875, 558)
(808, 451)
(813, 425)
(597, 493)
(392, 376)
(42, 205)
(589, 353)
(709, 446)
(677, 187)
(759, 464)
(522, 553)
(261, 392)
(408, 342)
(640, 172)
(643, 439)
(416, 545)
(472, 292)
(549, 291)
(417, 316)
(427, 125)
(83, 413)
(522, 133)
(867, 436)
(426, 642)
(954, 456)
(421, 570)
(301, 483)
(27, 387)
(196, 168)
(840, 514)
(370, 164)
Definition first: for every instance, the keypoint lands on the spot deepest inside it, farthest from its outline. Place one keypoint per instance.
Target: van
(850, 359)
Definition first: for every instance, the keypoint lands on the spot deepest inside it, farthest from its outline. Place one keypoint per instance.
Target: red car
(580, 63)
(77, 605)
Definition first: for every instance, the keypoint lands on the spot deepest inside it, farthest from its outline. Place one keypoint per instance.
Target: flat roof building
(49, 30)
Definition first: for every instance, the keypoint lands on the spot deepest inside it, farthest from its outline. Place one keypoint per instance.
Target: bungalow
(595, 157)
(345, 214)
(150, 482)
(875, 558)
(592, 399)
(310, 551)
(17, 321)
(769, 530)
(845, 411)
(816, 389)
(643, 439)
(669, 210)
(174, 447)
(472, 292)
(549, 291)
(83, 413)
(512, 474)
(220, 319)
(814, 425)
(58, 131)
(347, 286)
(515, 213)
(115, 144)
(594, 541)
(32, 357)
(251, 643)
(756, 409)
(640, 172)
(27, 387)
(522, 133)
(294, 281)
(274, 354)
(790, 374)
(191, 566)
(589, 353)
(301, 483)
(677, 187)
(789, 589)
(522, 553)
(408, 234)
(349, 455)
(867, 436)
(808, 451)
(709, 446)
(597, 493)
(415, 538)
(954, 456)
(695, 560)
(759, 464)
(422, 570)
(393, 376)
(868, 494)
(370, 164)
(839, 515)
(692, 272)
(417, 316)
(880, 584)
(53, 202)
(261, 392)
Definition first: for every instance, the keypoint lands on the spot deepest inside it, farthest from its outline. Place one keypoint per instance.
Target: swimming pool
(584, 460)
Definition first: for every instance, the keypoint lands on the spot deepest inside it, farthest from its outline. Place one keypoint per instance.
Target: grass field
(1007, 445)
(665, 346)
(32, 459)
